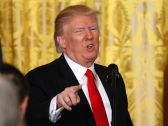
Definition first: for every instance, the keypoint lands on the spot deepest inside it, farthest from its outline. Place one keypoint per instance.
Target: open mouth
(89, 46)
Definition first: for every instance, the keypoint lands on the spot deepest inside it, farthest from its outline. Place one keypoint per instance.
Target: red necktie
(96, 101)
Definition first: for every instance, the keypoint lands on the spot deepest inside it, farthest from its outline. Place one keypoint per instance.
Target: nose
(89, 34)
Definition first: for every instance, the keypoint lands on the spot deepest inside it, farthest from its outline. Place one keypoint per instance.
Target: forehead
(83, 20)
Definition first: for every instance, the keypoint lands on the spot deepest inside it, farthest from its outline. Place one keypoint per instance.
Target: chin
(92, 59)
(91, 56)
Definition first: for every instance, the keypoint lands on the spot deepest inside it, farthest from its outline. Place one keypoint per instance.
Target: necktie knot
(89, 73)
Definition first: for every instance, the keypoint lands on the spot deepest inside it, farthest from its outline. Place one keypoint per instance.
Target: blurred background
(134, 35)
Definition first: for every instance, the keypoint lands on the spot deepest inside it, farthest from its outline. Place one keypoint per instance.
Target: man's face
(80, 40)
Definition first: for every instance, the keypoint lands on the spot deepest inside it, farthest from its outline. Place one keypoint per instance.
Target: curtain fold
(134, 35)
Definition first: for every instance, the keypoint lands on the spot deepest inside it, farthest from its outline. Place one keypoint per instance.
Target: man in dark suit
(60, 94)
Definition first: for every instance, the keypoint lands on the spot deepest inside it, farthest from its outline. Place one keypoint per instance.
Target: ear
(62, 42)
(23, 105)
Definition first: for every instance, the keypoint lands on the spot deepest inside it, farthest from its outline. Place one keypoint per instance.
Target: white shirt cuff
(54, 113)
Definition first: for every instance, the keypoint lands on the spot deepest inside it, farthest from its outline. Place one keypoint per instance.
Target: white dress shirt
(79, 72)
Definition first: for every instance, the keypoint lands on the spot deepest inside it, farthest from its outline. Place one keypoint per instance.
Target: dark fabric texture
(48, 80)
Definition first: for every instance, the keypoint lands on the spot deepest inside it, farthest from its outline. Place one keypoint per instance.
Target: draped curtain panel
(134, 35)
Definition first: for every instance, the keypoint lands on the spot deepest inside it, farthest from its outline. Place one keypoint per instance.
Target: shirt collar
(78, 69)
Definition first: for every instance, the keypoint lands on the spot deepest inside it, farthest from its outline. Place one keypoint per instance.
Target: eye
(94, 28)
(79, 30)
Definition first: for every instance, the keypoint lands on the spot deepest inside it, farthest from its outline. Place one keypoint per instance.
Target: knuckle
(66, 89)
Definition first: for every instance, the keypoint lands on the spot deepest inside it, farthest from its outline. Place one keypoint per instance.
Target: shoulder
(101, 70)
(111, 70)
(47, 69)
(100, 67)
(41, 69)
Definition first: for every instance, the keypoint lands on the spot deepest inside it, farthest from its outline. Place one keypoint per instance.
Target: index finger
(77, 88)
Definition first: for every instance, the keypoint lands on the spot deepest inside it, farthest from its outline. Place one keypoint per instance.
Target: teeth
(90, 46)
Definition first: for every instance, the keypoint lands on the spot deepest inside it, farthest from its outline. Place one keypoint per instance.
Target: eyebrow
(82, 27)
(95, 26)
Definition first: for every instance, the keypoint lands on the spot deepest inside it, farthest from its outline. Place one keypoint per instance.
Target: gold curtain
(134, 35)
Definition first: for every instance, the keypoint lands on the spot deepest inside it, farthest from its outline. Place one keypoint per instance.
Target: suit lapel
(102, 75)
(66, 72)
(71, 80)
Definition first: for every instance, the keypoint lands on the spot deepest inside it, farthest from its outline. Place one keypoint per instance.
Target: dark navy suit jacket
(48, 80)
